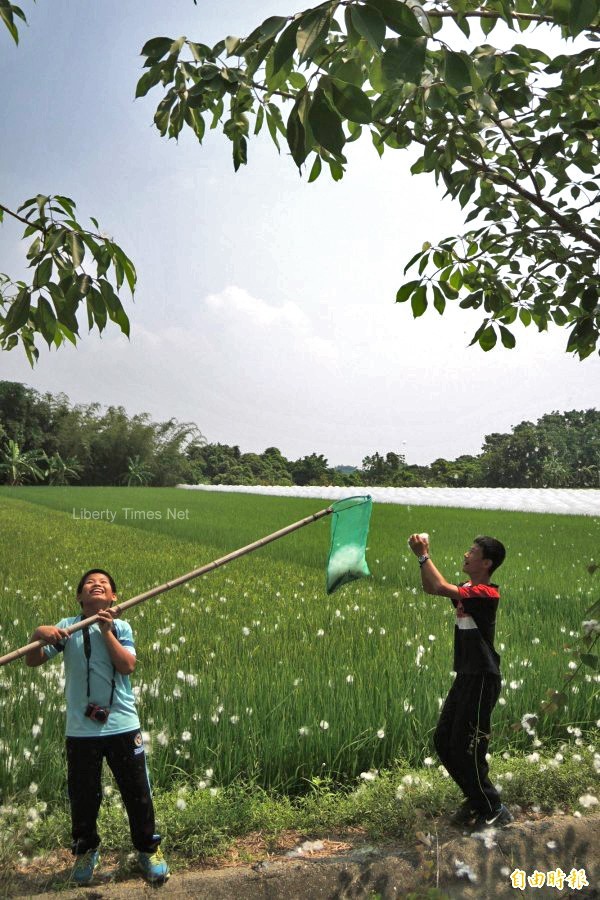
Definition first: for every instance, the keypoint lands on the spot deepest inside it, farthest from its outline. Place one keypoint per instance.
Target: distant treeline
(44, 438)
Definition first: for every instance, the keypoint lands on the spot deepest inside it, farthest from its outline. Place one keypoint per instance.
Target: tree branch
(578, 231)
(17, 216)
(571, 227)
(44, 229)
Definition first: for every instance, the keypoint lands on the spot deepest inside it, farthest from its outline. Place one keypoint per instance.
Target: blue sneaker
(85, 865)
(154, 866)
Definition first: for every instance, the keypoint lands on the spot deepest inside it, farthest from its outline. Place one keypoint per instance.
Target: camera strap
(87, 649)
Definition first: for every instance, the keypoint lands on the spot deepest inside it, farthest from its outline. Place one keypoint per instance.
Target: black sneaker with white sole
(497, 819)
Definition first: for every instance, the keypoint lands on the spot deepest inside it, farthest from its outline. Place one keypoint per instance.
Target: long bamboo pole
(176, 582)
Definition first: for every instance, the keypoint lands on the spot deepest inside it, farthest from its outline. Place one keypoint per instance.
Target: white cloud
(285, 327)
(234, 299)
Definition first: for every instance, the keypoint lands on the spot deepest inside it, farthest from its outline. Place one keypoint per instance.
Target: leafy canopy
(72, 266)
(513, 135)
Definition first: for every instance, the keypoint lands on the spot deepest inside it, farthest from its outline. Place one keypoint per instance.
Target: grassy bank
(199, 820)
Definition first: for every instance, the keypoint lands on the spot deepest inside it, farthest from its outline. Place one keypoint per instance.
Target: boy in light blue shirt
(102, 721)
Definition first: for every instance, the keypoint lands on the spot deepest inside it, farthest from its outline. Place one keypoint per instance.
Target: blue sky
(265, 306)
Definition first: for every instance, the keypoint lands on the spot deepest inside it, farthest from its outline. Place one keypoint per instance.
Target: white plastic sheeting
(569, 502)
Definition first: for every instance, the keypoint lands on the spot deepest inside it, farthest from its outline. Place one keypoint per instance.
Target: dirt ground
(441, 863)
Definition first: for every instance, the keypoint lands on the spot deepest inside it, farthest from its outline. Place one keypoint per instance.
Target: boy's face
(474, 563)
(96, 593)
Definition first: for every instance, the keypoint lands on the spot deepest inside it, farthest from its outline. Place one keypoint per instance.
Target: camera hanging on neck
(99, 714)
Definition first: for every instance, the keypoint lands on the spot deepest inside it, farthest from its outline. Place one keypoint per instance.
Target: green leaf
(463, 23)
(561, 10)
(194, 119)
(336, 169)
(313, 30)
(406, 290)
(260, 117)
(76, 248)
(439, 301)
(404, 60)
(254, 39)
(161, 116)
(487, 338)
(114, 306)
(349, 71)
(273, 124)
(353, 38)
(457, 74)
(419, 301)
(148, 80)
(456, 279)
(6, 14)
(272, 26)
(122, 321)
(84, 283)
(285, 47)
(351, 102)
(62, 330)
(157, 47)
(488, 24)
(369, 24)
(400, 18)
(507, 337)
(316, 169)
(376, 76)
(297, 80)
(200, 52)
(43, 273)
(589, 299)
(18, 314)
(296, 136)
(325, 123)
(551, 145)
(67, 204)
(240, 151)
(96, 301)
(46, 320)
(30, 349)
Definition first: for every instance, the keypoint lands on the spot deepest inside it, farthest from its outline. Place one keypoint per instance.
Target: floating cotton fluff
(307, 847)
(486, 836)
(464, 871)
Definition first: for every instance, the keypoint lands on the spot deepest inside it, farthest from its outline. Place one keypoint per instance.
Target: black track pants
(462, 736)
(127, 761)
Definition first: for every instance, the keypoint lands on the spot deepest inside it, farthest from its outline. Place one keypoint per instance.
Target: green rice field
(252, 672)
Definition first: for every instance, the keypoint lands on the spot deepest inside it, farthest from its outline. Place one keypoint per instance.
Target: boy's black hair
(99, 572)
(492, 550)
